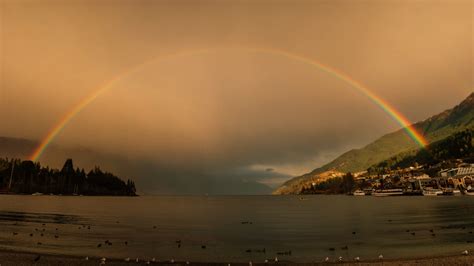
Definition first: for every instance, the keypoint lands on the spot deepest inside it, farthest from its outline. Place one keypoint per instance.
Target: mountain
(15, 147)
(150, 177)
(457, 146)
(435, 128)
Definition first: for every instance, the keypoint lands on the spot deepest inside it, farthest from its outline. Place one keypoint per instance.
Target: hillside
(457, 146)
(435, 128)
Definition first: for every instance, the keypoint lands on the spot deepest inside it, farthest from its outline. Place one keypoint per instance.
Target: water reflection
(8, 216)
(238, 228)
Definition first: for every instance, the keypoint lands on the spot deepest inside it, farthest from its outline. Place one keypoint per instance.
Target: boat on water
(369, 191)
(388, 192)
(469, 191)
(412, 192)
(358, 193)
(451, 192)
(432, 192)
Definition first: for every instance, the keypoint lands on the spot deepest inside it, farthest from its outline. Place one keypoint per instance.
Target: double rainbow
(384, 105)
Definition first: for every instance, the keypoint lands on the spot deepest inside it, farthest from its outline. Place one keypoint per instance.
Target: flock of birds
(41, 232)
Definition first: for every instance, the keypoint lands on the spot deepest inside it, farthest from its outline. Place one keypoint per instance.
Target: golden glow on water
(152, 224)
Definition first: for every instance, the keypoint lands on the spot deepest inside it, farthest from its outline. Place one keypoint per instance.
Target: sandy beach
(12, 258)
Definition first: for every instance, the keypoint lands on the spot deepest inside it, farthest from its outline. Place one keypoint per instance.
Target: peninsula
(28, 177)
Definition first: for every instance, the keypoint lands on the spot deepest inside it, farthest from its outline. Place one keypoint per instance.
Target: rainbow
(384, 105)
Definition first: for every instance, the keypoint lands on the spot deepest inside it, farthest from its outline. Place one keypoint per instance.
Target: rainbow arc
(380, 102)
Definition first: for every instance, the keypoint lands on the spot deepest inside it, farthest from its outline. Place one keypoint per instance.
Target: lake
(238, 228)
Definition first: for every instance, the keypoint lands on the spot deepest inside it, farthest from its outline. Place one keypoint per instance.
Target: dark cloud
(217, 121)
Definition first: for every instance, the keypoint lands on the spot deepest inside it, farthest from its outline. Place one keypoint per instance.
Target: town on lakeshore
(443, 168)
(413, 181)
(410, 181)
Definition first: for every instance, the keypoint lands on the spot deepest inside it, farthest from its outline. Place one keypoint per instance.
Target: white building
(458, 172)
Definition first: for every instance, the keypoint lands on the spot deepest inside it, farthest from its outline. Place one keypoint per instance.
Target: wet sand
(12, 258)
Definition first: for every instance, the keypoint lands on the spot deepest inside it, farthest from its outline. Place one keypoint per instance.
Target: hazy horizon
(227, 116)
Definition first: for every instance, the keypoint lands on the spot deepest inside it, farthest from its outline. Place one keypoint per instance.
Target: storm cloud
(203, 115)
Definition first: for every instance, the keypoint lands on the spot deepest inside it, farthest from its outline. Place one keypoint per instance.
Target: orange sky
(234, 109)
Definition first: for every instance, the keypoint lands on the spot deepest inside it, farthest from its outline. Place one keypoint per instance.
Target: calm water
(309, 228)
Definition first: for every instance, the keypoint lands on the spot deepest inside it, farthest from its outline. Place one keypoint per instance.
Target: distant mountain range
(435, 128)
(150, 177)
(154, 178)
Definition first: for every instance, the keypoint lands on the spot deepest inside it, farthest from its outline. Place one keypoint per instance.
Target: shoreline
(64, 195)
(20, 258)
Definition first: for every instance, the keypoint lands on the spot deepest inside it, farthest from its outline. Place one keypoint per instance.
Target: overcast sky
(228, 112)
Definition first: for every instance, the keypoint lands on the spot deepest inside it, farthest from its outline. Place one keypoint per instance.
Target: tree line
(28, 177)
(338, 185)
(457, 146)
